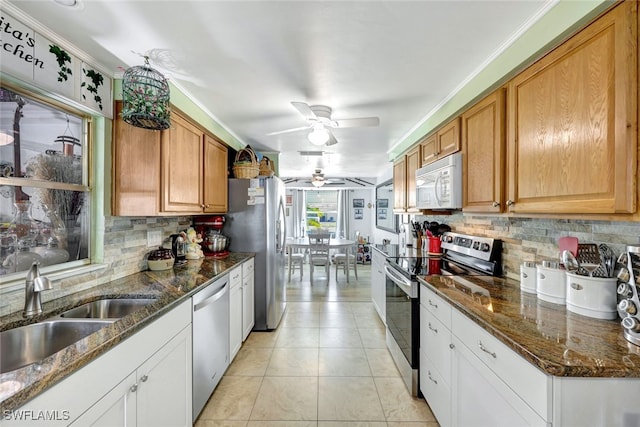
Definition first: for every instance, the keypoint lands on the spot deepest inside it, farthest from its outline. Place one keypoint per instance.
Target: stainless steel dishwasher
(210, 340)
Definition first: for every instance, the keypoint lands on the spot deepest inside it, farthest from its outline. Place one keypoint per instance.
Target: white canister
(551, 283)
(592, 296)
(528, 277)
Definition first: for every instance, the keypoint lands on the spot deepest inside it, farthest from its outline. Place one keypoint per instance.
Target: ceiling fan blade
(332, 140)
(359, 122)
(305, 110)
(289, 130)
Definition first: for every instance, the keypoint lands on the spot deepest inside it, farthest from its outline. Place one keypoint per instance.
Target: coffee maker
(214, 243)
(178, 247)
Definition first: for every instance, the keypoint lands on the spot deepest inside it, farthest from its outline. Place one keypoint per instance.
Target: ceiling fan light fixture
(319, 135)
(6, 138)
(317, 183)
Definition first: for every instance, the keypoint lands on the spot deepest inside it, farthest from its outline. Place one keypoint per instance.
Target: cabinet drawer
(235, 277)
(436, 390)
(436, 305)
(435, 341)
(247, 268)
(531, 384)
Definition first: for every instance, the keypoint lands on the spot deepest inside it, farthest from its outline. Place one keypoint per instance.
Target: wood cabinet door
(429, 149)
(215, 176)
(399, 185)
(182, 167)
(483, 143)
(449, 138)
(572, 142)
(136, 169)
(413, 164)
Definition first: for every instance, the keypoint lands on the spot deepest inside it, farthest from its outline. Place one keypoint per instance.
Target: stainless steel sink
(107, 308)
(28, 344)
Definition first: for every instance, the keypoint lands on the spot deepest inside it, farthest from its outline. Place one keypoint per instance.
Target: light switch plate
(154, 238)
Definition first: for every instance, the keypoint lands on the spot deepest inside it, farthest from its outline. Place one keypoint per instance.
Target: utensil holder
(550, 284)
(528, 277)
(592, 296)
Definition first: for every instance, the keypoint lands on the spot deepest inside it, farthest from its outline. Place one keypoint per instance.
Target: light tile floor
(326, 365)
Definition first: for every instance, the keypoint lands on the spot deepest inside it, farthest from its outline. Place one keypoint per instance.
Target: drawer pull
(483, 348)
(133, 388)
(432, 328)
(144, 378)
(432, 304)
(431, 378)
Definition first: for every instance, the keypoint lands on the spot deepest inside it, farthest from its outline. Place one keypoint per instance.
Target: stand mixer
(214, 243)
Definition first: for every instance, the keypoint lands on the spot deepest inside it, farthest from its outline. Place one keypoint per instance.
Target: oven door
(402, 314)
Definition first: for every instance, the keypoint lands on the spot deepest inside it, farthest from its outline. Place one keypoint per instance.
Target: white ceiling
(245, 61)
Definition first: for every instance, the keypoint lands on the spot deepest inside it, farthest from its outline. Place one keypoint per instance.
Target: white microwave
(439, 184)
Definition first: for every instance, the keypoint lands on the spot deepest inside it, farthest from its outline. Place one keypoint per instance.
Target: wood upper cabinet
(445, 141)
(400, 185)
(182, 166)
(483, 147)
(215, 175)
(136, 173)
(179, 171)
(572, 139)
(413, 164)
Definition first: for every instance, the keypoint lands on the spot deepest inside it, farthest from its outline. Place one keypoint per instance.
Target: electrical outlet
(154, 238)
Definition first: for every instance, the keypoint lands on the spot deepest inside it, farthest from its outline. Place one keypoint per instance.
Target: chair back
(319, 248)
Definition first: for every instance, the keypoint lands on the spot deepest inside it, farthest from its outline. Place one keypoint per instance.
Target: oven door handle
(402, 282)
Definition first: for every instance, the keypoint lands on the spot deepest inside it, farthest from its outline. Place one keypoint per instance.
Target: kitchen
(527, 237)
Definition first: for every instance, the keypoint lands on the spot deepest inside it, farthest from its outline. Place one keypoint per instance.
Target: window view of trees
(322, 210)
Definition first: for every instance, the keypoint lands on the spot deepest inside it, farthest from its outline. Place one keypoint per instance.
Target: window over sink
(44, 182)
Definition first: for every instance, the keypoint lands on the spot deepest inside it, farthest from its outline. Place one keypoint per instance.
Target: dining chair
(319, 253)
(347, 259)
(296, 260)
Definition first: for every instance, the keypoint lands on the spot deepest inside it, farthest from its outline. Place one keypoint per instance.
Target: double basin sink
(29, 344)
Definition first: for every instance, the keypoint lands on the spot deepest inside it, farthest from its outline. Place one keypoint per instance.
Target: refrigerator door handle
(281, 228)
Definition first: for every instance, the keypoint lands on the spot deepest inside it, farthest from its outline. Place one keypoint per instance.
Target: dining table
(334, 243)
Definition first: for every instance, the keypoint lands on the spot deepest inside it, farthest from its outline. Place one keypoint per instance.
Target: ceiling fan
(318, 179)
(320, 123)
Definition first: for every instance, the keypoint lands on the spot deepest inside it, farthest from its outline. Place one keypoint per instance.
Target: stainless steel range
(462, 255)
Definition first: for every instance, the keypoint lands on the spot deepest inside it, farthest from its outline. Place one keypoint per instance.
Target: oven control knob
(631, 323)
(485, 247)
(448, 239)
(476, 245)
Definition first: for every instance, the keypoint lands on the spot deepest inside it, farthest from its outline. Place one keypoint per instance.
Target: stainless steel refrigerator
(256, 223)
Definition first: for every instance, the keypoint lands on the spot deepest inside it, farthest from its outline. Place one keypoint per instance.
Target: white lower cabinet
(147, 397)
(248, 299)
(235, 312)
(378, 284)
(480, 398)
(143, 381)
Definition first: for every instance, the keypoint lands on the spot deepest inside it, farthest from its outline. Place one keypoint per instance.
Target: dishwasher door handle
(213, 298)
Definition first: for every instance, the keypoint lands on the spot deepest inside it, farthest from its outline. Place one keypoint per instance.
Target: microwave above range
(439, 184)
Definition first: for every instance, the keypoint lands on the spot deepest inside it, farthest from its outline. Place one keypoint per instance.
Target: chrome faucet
(34, 284)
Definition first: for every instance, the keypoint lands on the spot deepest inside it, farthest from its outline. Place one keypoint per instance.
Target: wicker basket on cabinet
(246, 164)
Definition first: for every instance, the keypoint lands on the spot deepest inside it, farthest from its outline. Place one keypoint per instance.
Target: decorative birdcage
(145, 94)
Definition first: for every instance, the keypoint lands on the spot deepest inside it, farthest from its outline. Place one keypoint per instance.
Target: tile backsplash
(536, 239)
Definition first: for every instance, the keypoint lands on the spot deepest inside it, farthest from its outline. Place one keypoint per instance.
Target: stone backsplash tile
(535, 239)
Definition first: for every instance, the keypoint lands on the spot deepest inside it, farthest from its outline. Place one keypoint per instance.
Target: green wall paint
(563, 19)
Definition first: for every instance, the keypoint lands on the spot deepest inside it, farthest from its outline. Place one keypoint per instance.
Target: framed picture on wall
(383, 203)
(289, 200)
(358, 203)
(358, 213)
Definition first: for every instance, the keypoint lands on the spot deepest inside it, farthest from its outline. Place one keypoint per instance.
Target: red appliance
(214, 243)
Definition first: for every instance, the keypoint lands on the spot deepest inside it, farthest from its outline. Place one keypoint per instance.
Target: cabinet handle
(133, 388)
(495, 204)
(432, 328)
(483, 348)
(144, 378)
(452, 346)
(431, 378)
(510, 202)
(432, 304)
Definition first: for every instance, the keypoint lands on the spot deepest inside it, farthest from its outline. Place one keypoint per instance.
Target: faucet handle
(41, 283)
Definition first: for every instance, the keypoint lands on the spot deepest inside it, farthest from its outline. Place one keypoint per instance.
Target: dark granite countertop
(557, 341)
(169, 288)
